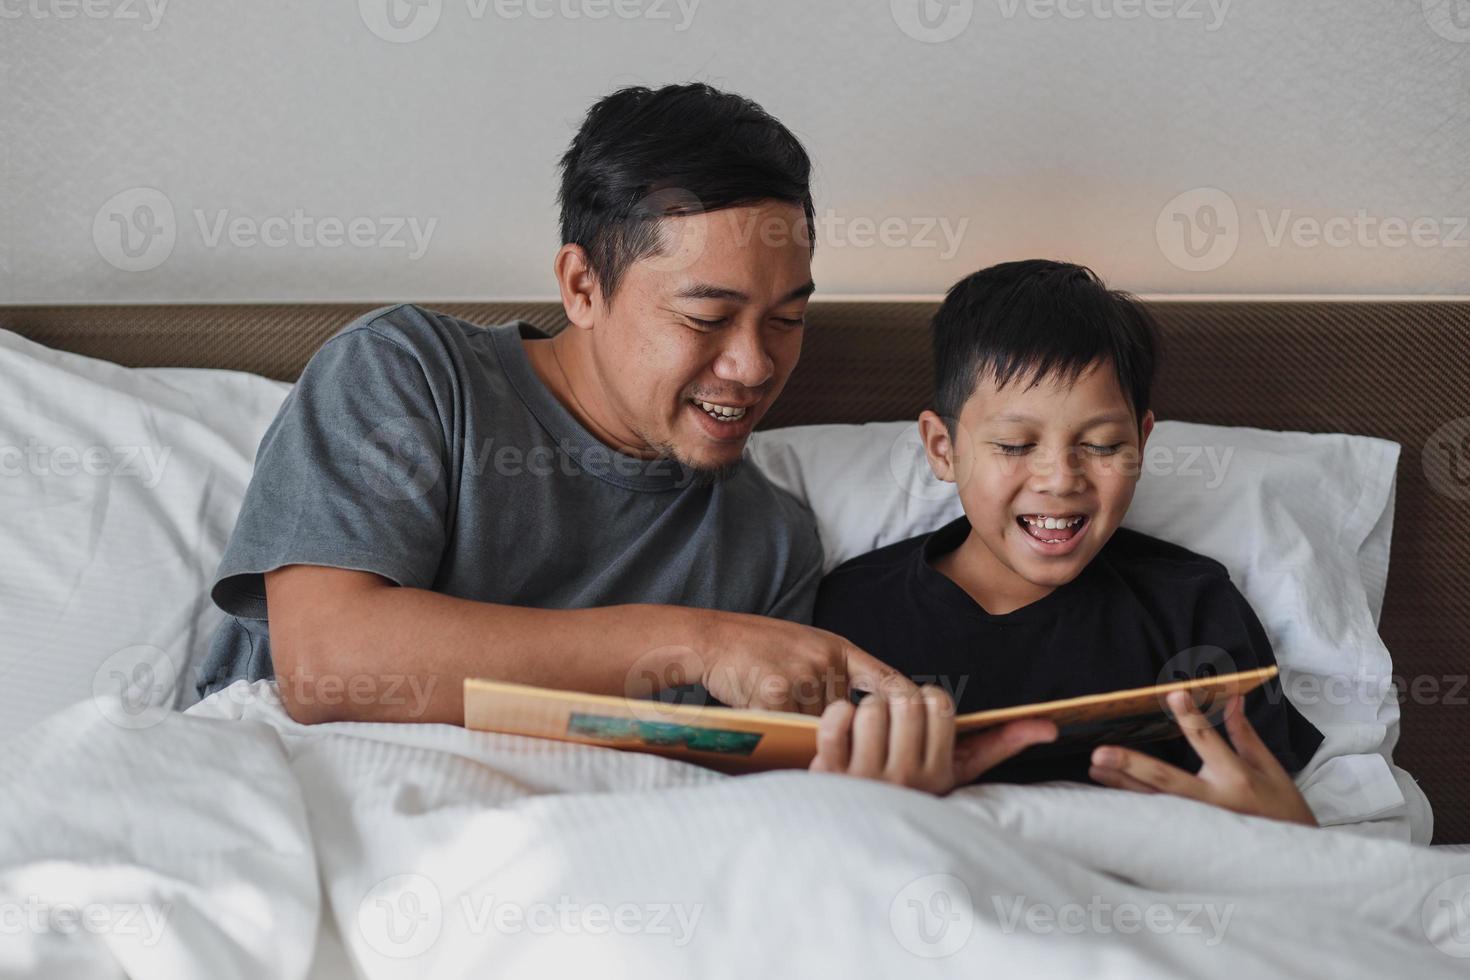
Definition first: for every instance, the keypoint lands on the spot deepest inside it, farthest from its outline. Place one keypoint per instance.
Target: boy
(1042, 398)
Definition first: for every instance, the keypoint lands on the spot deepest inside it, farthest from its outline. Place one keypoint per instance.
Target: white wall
(1041, 128)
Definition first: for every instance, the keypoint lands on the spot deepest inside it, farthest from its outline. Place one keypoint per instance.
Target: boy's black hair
(1025, 321)
(643, 154)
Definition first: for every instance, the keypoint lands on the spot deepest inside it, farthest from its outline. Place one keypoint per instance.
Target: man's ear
(579, 287)
(938, 445)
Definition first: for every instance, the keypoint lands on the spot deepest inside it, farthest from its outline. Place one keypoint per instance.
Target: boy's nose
(1059, 473)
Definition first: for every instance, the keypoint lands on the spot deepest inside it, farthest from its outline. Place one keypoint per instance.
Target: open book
(741, 740)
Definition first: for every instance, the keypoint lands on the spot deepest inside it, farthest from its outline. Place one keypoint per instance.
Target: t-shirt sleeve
(1231, 638)
(351, 474)
(797, 596)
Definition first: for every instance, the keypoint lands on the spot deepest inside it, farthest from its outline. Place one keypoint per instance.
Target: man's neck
(560, 365)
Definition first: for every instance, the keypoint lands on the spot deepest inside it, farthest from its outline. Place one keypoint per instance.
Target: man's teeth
(1052, 523)
(722, 412)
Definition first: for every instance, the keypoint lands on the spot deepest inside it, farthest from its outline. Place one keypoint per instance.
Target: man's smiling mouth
(721, 413)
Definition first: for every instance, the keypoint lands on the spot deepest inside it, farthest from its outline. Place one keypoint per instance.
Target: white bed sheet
(412, 839)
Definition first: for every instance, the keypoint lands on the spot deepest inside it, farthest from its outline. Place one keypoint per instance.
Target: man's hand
(1247, 780)
(910, 741)
(749, 661)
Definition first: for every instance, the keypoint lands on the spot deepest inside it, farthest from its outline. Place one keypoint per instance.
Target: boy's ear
(938, 445)
(577, 283)
(1145, 428)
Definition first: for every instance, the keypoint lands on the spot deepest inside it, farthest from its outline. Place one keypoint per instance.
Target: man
(438, 500)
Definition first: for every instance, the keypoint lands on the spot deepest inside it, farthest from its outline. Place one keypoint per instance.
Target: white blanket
(214, 844)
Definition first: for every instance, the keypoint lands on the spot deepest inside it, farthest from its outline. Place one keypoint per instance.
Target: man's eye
(1012, 449)
(1097, 450)
(791, 322)
(704, 324)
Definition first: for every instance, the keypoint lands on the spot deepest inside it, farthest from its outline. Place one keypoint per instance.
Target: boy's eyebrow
(1105, 418)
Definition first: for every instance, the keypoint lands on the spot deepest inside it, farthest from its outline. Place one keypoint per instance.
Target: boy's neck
(994, 587)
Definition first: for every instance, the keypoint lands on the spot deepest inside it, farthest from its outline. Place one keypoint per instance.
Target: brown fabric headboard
(1398, 370)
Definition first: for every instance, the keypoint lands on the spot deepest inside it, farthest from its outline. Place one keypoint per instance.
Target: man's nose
(744, 359)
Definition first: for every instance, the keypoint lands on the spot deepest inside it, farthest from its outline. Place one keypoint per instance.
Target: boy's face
(1025, 456)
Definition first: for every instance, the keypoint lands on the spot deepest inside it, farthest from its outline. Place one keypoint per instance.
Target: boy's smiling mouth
(1054, 534)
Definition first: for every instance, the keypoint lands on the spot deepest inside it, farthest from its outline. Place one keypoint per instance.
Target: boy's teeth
(721, 411)
(1052, 523)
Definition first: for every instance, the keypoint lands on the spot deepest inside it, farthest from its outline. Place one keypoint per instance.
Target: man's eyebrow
(709, 290)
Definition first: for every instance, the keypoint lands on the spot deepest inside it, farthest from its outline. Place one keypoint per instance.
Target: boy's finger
(1110, 760)
(834, 737)
(906, 723)
(939, 734)
(1118, 780)
(1244, 736)
(982, 751)
(869, 737)
(1203, 738)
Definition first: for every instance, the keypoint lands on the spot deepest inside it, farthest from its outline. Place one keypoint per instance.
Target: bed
(1397, 370)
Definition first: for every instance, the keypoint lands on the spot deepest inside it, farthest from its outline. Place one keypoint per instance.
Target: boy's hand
(910, 741)
(1247, 780)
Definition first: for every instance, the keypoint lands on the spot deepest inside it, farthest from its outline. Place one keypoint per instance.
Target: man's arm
(352, 646)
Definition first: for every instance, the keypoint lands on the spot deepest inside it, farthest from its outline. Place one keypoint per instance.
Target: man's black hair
(644, 154)
(1035, 319)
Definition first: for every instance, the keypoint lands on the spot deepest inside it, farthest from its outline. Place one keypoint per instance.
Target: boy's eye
(1012, 449)
(1097, 450)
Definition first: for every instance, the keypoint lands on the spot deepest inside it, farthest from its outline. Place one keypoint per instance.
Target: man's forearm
(400, 654)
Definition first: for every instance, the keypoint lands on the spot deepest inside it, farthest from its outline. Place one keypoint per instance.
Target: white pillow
(118, 490)
(1301, 521)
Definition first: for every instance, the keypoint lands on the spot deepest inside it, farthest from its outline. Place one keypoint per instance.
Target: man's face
(1029, 456)
(700, 338)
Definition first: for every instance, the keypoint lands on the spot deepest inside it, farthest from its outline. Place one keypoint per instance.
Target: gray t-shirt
(427, 450)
